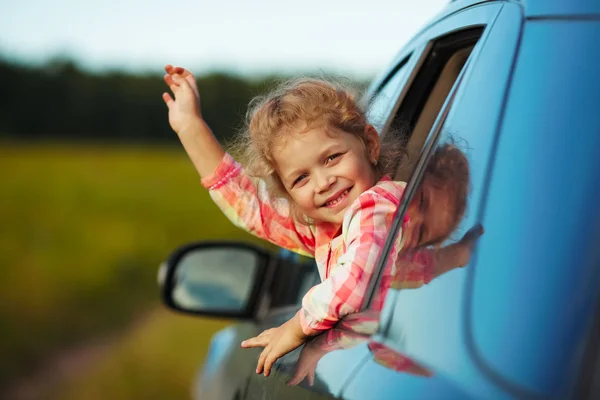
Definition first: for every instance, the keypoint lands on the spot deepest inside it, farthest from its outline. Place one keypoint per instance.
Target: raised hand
(185, 74)
(184, 108)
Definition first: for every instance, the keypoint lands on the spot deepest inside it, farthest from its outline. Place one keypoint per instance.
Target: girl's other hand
(184, 108)
(277, 342)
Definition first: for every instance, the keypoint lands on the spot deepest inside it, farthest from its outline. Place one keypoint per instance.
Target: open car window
(414, 121)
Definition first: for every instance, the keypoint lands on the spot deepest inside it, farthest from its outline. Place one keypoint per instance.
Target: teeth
(340, 198)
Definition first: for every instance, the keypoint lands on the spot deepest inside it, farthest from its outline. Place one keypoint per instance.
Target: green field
(82, 232)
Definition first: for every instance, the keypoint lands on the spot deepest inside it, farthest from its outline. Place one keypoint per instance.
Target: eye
(421, 200)
(333, 157)
(299, 179)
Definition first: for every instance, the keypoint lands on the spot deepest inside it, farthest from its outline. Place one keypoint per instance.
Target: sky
(248, 37)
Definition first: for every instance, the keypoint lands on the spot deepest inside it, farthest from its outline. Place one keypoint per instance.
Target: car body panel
(547, 158)
(561, 9)
(224, 373)
(538, 8)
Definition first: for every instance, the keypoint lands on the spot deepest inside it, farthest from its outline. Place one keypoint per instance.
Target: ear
(372, 142)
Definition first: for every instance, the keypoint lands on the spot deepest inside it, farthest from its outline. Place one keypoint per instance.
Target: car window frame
(410, 59)
(448, 25)
(411, 188)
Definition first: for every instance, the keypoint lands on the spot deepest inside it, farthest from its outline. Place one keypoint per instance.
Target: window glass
(428, 93)
(536, 272)
(294, 276)
(383, 102)
(424, 314)
(441, 69)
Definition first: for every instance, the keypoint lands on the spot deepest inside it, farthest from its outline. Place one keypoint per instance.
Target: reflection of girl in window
(436, 210)
(321, 191)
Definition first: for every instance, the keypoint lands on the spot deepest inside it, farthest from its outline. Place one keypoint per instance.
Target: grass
(156, 360)
(82, 232)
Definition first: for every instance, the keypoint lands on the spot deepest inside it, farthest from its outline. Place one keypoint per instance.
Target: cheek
(439, 221)
(302, 198)
(442, 224)
(360, 169)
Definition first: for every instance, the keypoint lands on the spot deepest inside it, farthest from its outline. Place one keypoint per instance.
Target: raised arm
(246, 202)
(186, 120)
(242, 200)
(417, 267)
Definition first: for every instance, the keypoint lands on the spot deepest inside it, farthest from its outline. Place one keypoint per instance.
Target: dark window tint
(383, 102)
(294, 276)
(427, 94)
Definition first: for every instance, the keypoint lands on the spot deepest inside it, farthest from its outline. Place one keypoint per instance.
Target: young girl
(321, 192)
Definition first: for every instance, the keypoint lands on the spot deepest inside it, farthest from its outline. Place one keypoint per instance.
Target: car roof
(539, 8)
(532, 9)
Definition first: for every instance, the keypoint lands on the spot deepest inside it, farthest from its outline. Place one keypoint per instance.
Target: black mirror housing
(218, 279)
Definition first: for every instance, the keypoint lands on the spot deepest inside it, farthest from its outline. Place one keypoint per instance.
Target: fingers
(171, 70)
(267, 332)
(261, 361)
(262, 340)
(269, 361)
(266, 360)
(168, 99)
(177, 83)
(182, 71)
(477, 230)
(296, 379)
(473, 234)
(258, 341)
(268, 339)
(300, 375)
(172, 83)
(311, 377)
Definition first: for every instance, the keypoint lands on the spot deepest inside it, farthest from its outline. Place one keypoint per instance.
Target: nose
(324, 181)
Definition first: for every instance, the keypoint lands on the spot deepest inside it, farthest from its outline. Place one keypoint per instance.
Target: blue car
(516, 85)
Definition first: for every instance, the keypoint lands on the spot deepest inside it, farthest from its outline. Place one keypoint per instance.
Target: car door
(383, 99)
(532, 296)
(427, 323)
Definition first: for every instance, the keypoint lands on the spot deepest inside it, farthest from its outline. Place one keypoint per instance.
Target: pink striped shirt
(346, 255)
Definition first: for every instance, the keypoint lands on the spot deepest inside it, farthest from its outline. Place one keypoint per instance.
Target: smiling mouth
(338, 199)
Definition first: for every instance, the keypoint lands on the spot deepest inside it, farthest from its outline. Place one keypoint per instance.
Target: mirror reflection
(215, 279)
(430, 242)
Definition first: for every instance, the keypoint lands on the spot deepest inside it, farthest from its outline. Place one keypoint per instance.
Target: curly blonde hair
(296, 105)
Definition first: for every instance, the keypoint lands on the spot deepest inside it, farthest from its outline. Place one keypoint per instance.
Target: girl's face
(430, 216)
(324, 170)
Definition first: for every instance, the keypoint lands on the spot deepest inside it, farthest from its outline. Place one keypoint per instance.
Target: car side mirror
(223, 279)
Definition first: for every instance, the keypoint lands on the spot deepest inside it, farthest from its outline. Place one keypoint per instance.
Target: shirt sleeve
(366, 226)
(246, 202)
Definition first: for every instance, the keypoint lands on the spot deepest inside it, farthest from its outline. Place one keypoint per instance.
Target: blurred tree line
(61, 101)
